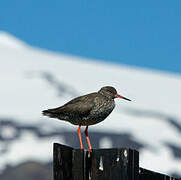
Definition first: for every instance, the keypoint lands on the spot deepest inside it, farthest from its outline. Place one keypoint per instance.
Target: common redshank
(87, 110)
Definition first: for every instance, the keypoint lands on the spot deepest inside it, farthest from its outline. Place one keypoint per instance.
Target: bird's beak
(122, 97)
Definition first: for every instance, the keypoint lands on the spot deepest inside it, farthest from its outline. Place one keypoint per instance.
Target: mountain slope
(33, 80)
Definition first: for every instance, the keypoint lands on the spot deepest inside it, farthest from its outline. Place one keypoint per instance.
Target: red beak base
(122, 97)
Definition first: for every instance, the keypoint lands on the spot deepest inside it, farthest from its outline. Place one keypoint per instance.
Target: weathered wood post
(145, 174)
(101, 164)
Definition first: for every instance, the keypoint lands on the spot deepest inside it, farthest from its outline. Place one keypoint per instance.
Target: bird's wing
(80, 106)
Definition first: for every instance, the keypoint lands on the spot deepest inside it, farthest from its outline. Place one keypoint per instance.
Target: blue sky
(139, 33)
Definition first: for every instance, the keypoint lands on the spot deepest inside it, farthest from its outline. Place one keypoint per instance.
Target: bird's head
(111, 92)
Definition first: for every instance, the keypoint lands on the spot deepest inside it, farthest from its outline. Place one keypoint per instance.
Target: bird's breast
(104, 107)
(100, 111)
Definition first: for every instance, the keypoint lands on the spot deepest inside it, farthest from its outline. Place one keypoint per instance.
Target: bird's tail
(50, 113)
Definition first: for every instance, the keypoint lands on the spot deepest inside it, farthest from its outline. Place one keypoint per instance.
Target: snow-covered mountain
(32, 80)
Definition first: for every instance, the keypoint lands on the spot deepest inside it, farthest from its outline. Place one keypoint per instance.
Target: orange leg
(80, 139)
(88, 140)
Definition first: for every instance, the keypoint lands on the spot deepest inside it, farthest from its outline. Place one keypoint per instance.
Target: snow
(9, 41)
(26, 91)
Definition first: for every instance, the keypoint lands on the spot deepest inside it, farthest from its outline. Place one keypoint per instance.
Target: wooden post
(101, 164)
(62, 162)
(114, 164)
(145, 174)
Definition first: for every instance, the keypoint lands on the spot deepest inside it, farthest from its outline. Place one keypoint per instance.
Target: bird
(87, 110)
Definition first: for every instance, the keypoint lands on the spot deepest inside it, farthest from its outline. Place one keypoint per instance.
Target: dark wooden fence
(100, 164)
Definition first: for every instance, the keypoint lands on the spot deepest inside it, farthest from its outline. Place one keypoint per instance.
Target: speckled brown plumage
(87, 110)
